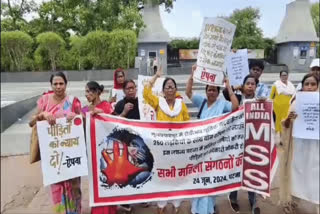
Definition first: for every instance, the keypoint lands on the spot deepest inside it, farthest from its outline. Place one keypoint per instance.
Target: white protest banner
(237, 66)
(306, 125)
(147, 113)
(215, 43)
(259, 146)
(135, 161)
(62, 150)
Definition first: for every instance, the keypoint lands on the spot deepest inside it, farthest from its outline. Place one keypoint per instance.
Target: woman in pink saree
(66, 195)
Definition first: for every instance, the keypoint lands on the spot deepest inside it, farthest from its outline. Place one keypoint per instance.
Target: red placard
(257, 151)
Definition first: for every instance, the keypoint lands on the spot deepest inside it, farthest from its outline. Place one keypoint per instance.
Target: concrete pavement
(22, 193)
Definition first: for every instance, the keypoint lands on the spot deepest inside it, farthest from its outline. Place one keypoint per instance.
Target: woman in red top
(93, 92)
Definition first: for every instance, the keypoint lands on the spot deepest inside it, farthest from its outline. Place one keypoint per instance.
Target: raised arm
(232, 96)
(190, 83)
(148, 96)
(154, 78)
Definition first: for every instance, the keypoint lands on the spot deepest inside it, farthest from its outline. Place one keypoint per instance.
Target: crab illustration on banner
(215, 43)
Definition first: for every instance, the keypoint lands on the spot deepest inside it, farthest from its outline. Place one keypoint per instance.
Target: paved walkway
(22, 193)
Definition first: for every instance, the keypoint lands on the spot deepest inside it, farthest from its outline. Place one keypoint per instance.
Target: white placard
(295, 51)
(312, 52)
(215, 43)
(237, 66)
(62, 150)
(306, 125)
(147, 113)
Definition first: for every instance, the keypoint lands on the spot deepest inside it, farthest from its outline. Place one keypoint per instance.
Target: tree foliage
(248, 34)
(185, 44)
(122, 49)
(51, 47)
(15, 47)
(96, 47)
(12, 13)
(315, 16)
(167, 3)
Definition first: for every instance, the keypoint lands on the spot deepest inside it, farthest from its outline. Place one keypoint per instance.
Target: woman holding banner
(92, 92)
(66, 195)
(281, 93)
(248, 91)
(169, 108)
(299, 164)
(209, 107)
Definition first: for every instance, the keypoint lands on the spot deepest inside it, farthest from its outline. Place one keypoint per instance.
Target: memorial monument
(152, 41)
(297, 37)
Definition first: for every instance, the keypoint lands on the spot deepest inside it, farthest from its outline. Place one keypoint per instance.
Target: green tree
(185, 44)
(15, 47)
(122, 49)
(12, 14)
(83, 16)
(315, 16)
(168, 3)
(248, 34)
(77, 55)
(51, 45)
(269, 49)
(96, 46)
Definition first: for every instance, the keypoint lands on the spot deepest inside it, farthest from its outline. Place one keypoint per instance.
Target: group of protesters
(123, 102)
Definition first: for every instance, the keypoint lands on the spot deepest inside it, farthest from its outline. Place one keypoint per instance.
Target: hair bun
(101, 88)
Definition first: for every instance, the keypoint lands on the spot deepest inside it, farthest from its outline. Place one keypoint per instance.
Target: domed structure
(297, 37)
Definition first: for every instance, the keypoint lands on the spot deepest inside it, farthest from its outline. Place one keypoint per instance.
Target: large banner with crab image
(133, 161)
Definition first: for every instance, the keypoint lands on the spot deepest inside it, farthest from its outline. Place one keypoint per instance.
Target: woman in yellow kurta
(169, 108)
(281, 93)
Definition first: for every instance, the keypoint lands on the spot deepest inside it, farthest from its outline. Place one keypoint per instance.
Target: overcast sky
(185, 19)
